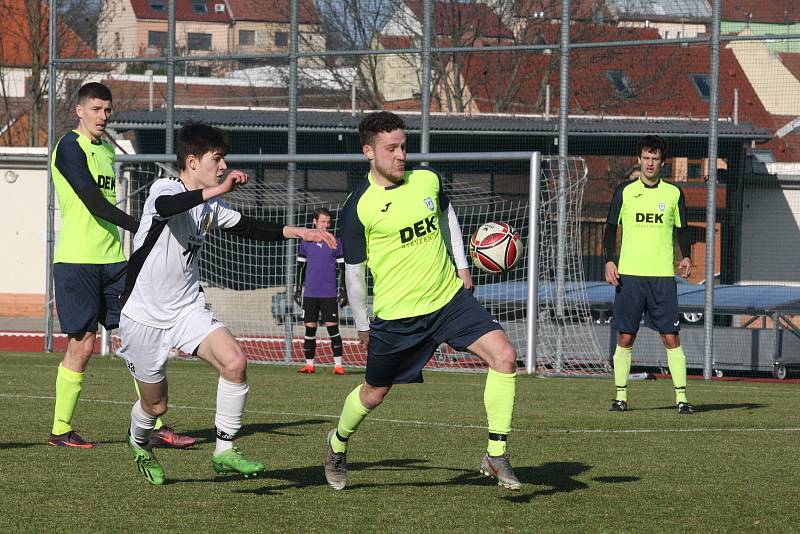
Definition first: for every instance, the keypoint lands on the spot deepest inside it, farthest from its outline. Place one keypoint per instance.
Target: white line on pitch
(447, 425)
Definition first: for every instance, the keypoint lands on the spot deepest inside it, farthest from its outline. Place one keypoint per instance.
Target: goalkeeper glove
(298, 295)
(342, 299)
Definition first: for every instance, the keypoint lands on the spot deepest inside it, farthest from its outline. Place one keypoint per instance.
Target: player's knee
(626, 340)
(235, 368)
(155, 409)
(505, 359)
(372, 397)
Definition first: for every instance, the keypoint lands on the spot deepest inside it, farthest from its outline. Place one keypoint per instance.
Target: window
(666, 170)
(621, 83)
(702, 85)
(199, 7)
(157, 5)
(695, 170)
(281, 39)
(156, 39)
(198, 41)
(247, 37)
(198, 70)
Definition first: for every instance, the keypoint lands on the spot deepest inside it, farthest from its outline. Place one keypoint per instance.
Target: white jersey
(163, 267)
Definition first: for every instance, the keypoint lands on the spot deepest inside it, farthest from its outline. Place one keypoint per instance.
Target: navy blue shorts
(88, 294)
(654, 296)
(400, 348)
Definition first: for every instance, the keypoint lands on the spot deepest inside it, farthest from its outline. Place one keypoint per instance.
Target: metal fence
(563, 78)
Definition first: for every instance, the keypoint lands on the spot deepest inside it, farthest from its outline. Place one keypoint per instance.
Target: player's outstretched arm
(309, 234)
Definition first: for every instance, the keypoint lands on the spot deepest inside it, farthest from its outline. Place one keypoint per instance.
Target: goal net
(248, 284)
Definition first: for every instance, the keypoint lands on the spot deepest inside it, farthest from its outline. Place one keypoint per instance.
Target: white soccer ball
(495, 247)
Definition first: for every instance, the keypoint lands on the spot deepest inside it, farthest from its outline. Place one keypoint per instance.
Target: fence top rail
(337, 158)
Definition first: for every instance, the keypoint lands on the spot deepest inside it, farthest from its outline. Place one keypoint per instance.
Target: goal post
(547, 322)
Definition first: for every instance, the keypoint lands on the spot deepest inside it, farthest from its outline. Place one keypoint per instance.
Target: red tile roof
(274, 11)
(15, 39)
(770, 11)
(792, 62)
(455, 18)
(659, 77)
(184, 11)
(395, 41)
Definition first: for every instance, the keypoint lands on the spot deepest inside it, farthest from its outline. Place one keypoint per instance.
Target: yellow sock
(676, 360)
(498, 398)
(353, 412)
(622, 368)
(68, 390)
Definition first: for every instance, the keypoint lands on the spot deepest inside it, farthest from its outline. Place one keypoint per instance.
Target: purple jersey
(321, 260)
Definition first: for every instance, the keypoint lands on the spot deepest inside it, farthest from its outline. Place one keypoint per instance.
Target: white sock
(231, 399)
(310, 362)
(337, 361)
(142, 424)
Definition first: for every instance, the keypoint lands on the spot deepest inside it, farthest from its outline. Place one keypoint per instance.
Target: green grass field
(413, 464)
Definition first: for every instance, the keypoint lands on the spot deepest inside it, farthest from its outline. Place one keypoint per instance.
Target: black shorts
(400, 348)
(654, 296)
(313, 307)
(88, 294)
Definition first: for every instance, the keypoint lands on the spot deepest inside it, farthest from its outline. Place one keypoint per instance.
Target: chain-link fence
(718, 80)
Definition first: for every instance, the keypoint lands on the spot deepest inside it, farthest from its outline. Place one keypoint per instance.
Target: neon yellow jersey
(77, 163)
(648, 215)
(396, 231)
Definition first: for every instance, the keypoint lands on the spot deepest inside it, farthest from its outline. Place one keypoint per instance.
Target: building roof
(273, 11)
(456, 18)
(15, 45)
(661, 9)
(665, 85)
(598, 10)
(792, 63)
(771, 11)
(184, 10)
(341, 121)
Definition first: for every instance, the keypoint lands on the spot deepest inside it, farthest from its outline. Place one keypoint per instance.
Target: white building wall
(771, 236)
(23, 203)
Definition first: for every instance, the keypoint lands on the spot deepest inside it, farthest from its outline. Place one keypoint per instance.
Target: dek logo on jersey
(418, 229)
(657, 218)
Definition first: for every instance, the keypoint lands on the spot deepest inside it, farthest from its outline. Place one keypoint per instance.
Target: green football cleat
(147, 463)
(232, 461)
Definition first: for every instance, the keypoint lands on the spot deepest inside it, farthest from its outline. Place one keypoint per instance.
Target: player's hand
(363, 338)
(341, 299)
(612, 274)
(227, 185)
(317, 236)
(685, 267)
(298, 295)
(466, 277)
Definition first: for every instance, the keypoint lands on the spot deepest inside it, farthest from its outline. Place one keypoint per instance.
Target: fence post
(51, 196)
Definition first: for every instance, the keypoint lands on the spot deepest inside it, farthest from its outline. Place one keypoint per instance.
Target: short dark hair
(93, 90)
(652, 143)
(197, 138)
(321, 211)
(379, 122)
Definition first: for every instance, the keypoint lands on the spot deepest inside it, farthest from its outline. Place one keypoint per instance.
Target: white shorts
(145, 349)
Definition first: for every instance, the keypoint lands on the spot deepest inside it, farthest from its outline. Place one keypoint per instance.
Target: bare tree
(354, 25)
(23, 53)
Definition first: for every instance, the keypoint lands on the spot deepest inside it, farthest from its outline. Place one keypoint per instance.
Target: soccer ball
(495, 247)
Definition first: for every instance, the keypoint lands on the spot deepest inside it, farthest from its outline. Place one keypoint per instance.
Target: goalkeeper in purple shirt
(317, 270)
